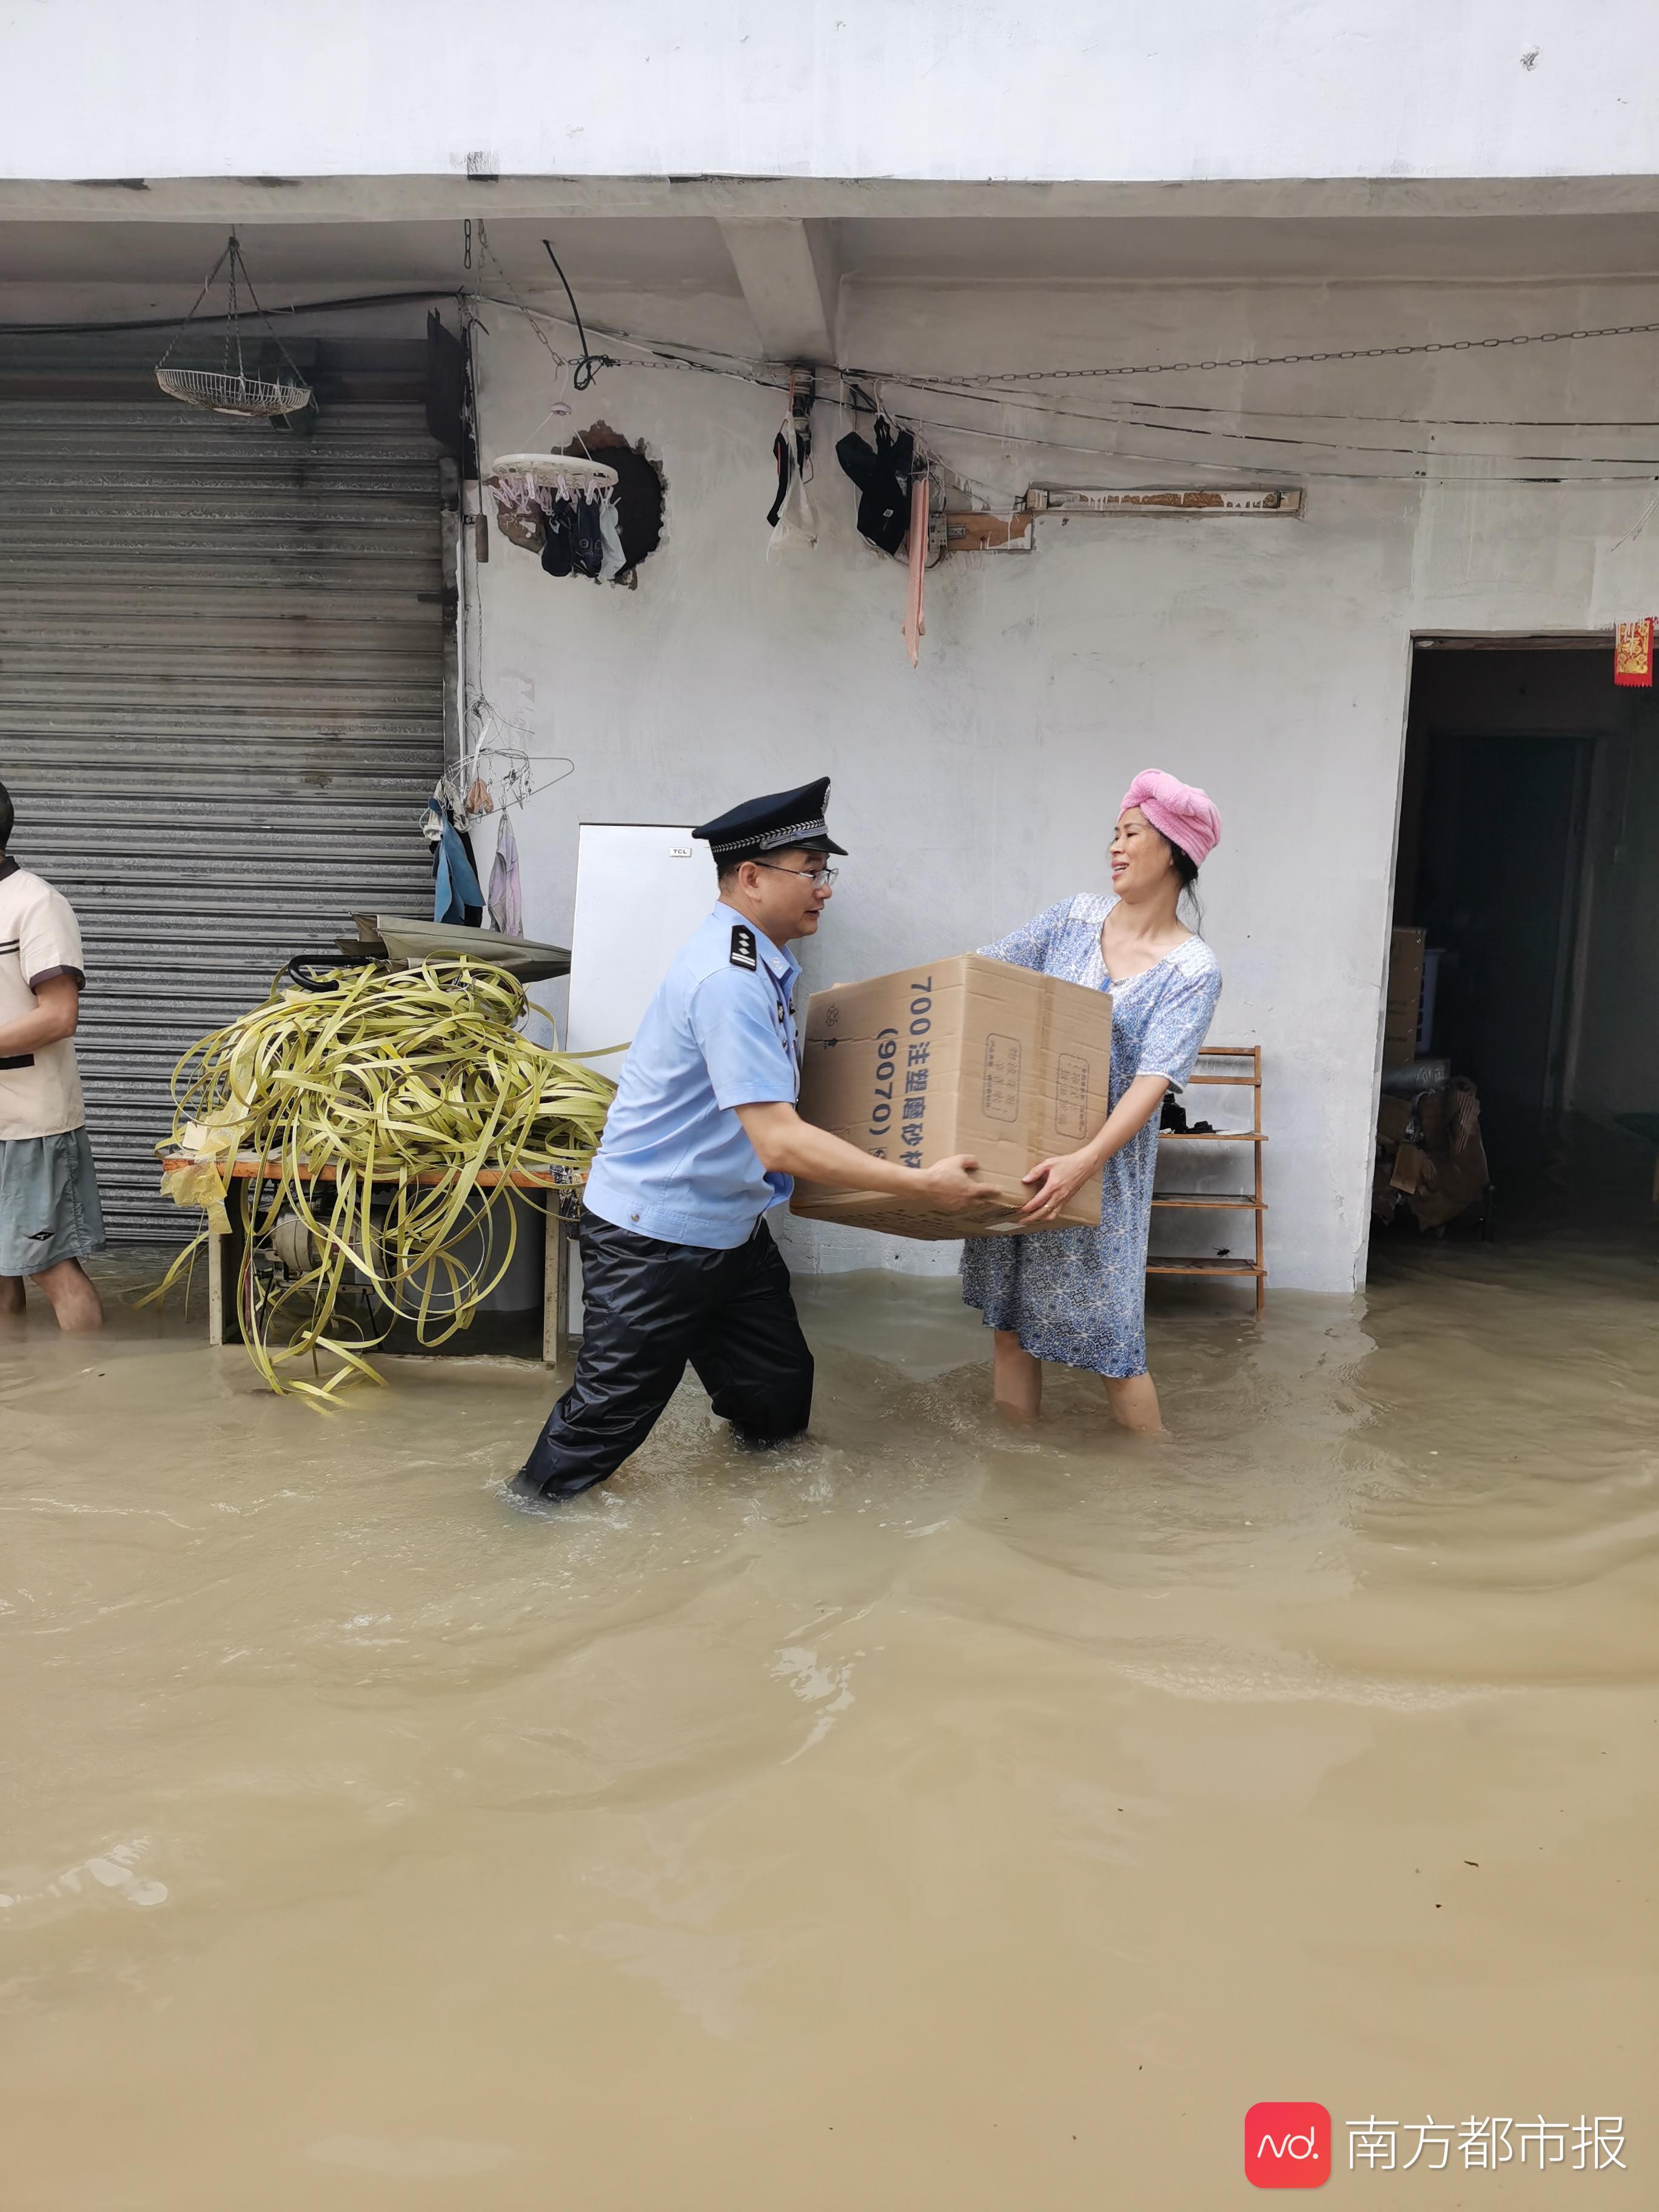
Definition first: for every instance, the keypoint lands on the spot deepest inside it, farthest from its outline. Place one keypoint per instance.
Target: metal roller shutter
(222, 696)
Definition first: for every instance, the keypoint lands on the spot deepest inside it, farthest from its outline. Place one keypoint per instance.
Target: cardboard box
(960, 1055)
(1399, 1038)
(1406, 950)
(1405, 995)
(1393, 1119)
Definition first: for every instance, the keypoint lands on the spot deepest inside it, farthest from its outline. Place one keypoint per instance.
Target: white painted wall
(950, 90)
(1266, 661)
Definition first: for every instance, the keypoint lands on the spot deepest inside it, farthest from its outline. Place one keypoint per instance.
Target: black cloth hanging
(780, 455)
(559, 546)
(589, 549)
(882, 473)
(573, 546)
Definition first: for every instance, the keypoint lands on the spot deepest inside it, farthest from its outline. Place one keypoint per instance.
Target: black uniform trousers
(649, 1306)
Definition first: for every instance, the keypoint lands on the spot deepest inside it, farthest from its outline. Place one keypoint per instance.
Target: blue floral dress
(1078, 1295)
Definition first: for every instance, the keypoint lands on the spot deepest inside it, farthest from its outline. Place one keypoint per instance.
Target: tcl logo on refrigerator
(1287, 2146)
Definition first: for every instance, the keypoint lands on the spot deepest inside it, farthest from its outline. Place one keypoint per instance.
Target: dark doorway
(1498, 895)
(1528, 808)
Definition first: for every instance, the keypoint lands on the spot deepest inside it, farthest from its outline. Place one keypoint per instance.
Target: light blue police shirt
(674, 1162)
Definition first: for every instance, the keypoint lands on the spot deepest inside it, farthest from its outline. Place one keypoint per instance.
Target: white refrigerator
(642, 890)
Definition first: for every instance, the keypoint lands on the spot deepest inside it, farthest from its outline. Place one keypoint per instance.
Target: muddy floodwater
(929, 1818)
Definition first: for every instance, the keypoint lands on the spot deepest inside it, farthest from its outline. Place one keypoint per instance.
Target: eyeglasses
(820, 878)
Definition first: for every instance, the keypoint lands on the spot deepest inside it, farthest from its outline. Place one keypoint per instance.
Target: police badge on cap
(780, 821)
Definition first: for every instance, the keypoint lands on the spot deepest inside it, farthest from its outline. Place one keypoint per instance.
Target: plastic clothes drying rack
(1237, 1201)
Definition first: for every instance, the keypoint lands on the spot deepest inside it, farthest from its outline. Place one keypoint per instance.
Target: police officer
(702, 1140)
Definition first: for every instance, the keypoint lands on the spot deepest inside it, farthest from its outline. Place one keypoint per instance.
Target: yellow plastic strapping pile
(381, 1079)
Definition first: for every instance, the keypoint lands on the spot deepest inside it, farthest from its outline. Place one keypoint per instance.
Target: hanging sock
(506, 898)
(589, 551)
(914, 627)
(559, 549)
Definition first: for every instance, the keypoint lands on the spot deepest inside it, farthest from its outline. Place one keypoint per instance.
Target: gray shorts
(49, 1208)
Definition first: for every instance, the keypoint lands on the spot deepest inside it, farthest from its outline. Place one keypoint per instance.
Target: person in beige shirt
(49, 1217)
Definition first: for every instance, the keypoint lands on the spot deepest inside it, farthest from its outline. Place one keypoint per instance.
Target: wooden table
(556, 1273)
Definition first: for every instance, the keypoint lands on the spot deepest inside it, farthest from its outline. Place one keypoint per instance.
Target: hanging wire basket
(217, 394)
(230, 389)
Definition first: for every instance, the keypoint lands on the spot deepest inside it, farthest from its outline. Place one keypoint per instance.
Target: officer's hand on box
(953, 1185)
(788, 1145)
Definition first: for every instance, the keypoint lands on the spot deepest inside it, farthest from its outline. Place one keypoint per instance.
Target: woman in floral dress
(1077, 1295)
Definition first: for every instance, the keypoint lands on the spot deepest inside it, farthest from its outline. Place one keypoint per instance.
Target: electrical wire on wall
(668, 352)
(1144, 415)
(1018, 390)
(347, 304)
(583, 372)
(1392, 352)
(560, 365)
(1135, 419)
(1636, 468)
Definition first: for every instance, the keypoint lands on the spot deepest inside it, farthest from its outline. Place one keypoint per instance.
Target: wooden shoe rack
(1248, 1061)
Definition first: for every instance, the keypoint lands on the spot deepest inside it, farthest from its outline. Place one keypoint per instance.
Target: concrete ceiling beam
(409, 198)
(791, 279)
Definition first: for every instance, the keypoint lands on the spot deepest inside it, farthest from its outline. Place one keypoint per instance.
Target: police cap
(782, 820)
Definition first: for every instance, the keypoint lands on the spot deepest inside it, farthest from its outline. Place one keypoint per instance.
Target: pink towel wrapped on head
(1178, 811)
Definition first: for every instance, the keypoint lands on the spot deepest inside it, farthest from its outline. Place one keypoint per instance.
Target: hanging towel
(615, 559)
(455, 893)
(794, 526)
(505, 899)
(914, 627)
(472, 913)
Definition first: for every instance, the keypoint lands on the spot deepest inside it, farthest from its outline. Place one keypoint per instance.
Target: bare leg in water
(1133, 1402)
(1018, 1387)
(1018, 1378)
(68, 1292)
